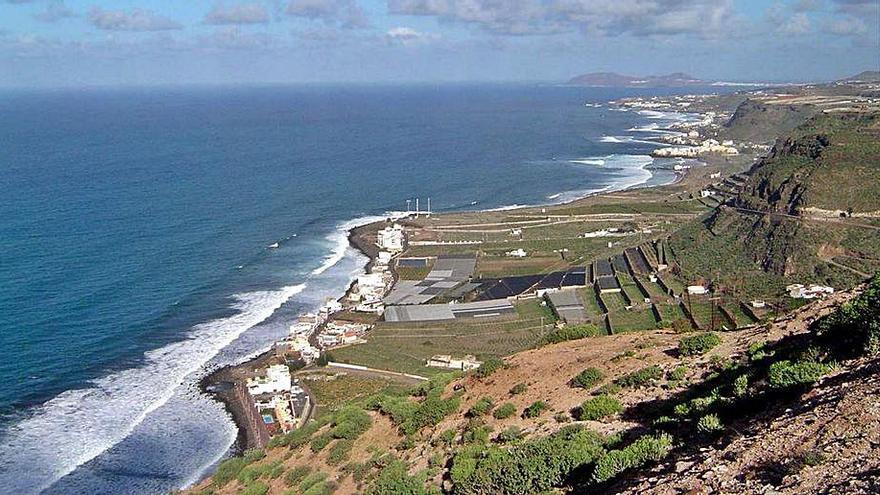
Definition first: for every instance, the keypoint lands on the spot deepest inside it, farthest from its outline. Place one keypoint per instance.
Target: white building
(517, 253)
(446, 361)
(276, 379)
(697, 290)
(384, 258)
(391, 238)
(813, 291)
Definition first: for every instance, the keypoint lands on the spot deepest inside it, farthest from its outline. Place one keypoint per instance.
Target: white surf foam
(339, 239)
(78, 425)
(628, 140)
(589, 161)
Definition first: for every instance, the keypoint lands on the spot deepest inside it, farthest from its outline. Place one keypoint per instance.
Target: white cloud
(136, 20)
(797, 24)
(55, 11)
(407, 36)
(847, 26)
(706, 18)
(345, 13)
(248, 13)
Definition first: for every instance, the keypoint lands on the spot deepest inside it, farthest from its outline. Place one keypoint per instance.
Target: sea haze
(135, 228)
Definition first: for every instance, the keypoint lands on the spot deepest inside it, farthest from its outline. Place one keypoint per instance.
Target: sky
(74, 43)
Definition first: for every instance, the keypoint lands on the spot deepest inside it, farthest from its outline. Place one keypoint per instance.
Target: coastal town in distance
(445, 296)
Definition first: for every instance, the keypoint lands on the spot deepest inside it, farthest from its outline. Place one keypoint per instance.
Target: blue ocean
(135, 233)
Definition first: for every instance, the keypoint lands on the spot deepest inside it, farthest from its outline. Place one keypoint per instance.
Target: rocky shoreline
(220, 383)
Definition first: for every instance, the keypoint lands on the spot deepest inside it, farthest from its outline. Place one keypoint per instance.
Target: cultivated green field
(404, 347)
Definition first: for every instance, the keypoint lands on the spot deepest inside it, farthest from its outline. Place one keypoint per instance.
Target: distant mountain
(866, 76)
(611, 79)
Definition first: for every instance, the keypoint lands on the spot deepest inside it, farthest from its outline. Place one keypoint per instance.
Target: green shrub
(699, 344)
(249, 474)
(677, 374)
(572, 333)
(321, 488)
(509, 434)
(535, 409)
(228, 470)
(587, 378)
(394, 479)
(358, 470)
(741, 385)
(295, 475)
(519, 388)
(641, 377)
(504, 411)
(258, 488)
(561, 417)
(298, 437)
(410, 416)
(608, 389)
(435, 384)
(709, 423)
(312, 480)
(489, 366)
(640, 452)
(533, 466)
(598, 407)
(446, 437)
(475, 432)
(786, 375)
(481, 407)
(339, 452)
(405, 443)
(350, 422)
(319, 442)
(253, 455)
(855, 325)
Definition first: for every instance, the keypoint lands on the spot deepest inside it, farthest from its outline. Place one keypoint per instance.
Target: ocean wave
(339, 239)
(507, 207)
(78, 425)
(633, 169)
(589, 161)
(628, 140)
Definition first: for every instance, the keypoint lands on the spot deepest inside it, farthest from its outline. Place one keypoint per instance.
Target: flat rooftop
(438, 312)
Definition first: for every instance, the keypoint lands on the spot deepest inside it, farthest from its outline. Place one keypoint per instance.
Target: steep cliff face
(754, 120)
(791, 221)
(780, 181)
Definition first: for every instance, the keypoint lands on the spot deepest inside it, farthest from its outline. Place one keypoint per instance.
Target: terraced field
(632, 321)
(405, 347)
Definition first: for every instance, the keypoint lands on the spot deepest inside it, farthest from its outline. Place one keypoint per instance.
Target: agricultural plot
(670, 312)
(636, 260)
(591, 305)
(673, 283)
(742, 319)
(505, 266)
(676, 207)
(655, 292)
(535, 308)
(631, 289)
(613, 301)
(632, 320)
(404, 347)
(707, 316)
(649, 254)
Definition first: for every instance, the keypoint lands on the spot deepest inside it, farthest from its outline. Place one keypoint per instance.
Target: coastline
(219, 383)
